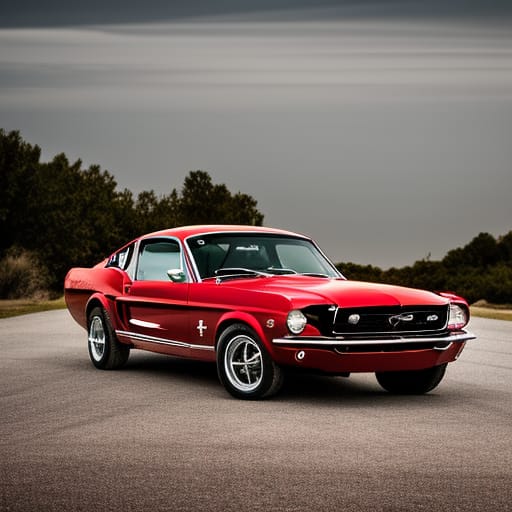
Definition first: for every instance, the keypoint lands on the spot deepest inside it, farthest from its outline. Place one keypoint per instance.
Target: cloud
(250, 66)
(54, 13)
(384, 139)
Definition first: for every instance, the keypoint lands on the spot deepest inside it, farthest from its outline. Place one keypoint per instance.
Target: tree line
(482, 269)
(56, 215)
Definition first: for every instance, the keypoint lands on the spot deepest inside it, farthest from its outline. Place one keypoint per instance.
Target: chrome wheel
(243, 363)
(105, 351)
(96, 338)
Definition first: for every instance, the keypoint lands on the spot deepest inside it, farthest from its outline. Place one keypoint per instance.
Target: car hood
(302, 291)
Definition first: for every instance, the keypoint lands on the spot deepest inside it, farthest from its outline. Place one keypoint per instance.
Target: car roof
(187, 231)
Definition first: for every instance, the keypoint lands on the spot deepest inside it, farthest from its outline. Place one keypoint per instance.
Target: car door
(155, 302)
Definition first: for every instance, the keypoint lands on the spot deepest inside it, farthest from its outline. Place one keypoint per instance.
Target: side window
(156, 257)
(121, 259)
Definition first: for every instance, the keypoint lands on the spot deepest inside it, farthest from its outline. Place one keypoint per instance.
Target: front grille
(395, 319)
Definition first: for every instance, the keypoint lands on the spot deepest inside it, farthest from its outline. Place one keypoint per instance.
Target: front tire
(105, 351)
(244, 366)
(414, 382)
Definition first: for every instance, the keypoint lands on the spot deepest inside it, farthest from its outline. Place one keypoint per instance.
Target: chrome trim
(152, 339)
(320, 341)
(151, 237)
(442, 349)
(288, 234)
(239, 273)
(391, 332)
(143, 323)
(220, 232)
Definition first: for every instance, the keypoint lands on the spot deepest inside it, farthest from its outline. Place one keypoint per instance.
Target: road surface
(162, 434)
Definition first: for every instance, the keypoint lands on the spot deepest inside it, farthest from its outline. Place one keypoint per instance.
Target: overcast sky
(382, 132)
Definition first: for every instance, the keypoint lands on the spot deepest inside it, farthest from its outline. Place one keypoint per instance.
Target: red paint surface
(178, 308)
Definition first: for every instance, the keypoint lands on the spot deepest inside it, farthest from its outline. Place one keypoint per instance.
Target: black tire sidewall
(416, 382)
(268, 365)
(103, 362)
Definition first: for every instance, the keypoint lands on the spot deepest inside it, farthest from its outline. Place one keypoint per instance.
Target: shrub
(22, 276)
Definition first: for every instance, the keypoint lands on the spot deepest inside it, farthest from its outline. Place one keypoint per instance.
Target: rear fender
(99, 300)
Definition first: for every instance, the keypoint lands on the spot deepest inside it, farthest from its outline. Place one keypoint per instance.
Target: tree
(358, 272)
(69, 216)
(480, 252)
(480, 270)
(19, 162)
(202, 202)
(65, 216)
(505, 248)
(242, 210)
(200, 199)
(60, 215)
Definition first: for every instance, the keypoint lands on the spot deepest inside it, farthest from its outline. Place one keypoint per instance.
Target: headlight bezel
(458, 316)
(296, 321)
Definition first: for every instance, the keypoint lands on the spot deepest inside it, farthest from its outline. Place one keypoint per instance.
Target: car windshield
(218, 254)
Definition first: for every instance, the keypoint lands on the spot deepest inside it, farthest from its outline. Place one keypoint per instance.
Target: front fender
(265, 332)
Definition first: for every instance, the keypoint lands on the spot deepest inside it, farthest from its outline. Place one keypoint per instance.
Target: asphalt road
(163, 434)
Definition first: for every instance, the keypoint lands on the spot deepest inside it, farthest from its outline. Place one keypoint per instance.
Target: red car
(257, 301)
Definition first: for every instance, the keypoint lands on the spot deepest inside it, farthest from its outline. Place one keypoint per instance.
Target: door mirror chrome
(176, 275)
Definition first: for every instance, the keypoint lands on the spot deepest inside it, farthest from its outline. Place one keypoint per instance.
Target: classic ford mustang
(257, 301)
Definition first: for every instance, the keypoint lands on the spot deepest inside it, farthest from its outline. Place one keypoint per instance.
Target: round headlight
(458, 317)
(296, 321)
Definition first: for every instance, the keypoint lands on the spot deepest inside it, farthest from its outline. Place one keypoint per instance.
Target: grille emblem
(432, 318)
(404, 317)
(354, 319)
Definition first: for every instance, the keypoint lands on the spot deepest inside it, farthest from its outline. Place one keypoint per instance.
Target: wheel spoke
(247, 374)
(255, 359)
(244, 363)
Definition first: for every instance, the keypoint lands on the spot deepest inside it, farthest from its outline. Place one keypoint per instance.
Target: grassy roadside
(24, 306)
(494, 313)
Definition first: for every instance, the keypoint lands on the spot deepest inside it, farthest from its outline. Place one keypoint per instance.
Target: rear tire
(244, 366)
(105, 351)
(414, 382)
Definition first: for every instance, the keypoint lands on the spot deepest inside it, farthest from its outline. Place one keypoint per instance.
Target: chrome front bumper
(439, 342)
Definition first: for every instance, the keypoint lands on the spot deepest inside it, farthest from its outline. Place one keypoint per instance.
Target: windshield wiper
(222, 274)
(281, 271)
(290, 271)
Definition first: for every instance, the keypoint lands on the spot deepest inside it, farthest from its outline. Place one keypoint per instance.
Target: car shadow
(299, 387)
(175, 367)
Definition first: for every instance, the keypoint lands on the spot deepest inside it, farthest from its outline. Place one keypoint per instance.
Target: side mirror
(176, 275)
